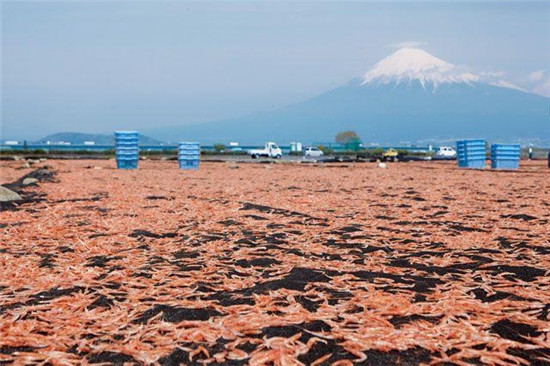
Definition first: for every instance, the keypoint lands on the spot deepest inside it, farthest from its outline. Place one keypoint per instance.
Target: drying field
(276, 264)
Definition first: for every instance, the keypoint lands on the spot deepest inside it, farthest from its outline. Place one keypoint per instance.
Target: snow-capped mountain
(408, 96)
(412, 64)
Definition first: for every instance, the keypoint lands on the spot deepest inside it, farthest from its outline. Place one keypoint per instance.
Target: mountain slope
(408, 96)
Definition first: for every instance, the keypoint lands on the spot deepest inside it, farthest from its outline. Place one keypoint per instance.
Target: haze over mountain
(408, 96)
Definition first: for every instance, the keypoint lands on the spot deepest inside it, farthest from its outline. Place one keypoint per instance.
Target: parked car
(445, 152)
(270, 150)
(312, 152)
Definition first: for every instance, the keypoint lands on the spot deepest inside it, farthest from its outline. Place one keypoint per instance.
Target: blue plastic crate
(195, 153)
(126, 143)
(127, 157)
(505, 156)
(192, 146)
(189, 155)
(126, 134)
(505, 164)
(126, 149)
(126, 138)
(126, 153)
(189, 164)
(189, 152)
(471, 154)
(127, 163)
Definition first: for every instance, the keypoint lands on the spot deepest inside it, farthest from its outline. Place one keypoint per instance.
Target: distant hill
(76, 138)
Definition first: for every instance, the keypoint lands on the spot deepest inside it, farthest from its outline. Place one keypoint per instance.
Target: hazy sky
(98, 66)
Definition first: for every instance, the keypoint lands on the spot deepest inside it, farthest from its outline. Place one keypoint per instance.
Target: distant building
(89, 143)
(296, 146)
(233, 144)
(11, 143)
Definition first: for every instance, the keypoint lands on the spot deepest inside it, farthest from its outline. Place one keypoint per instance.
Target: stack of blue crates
(126, 149)
(189, 155)
(505, 156)
(471, 154)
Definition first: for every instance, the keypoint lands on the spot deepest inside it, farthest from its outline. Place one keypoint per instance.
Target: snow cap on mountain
(409, 64)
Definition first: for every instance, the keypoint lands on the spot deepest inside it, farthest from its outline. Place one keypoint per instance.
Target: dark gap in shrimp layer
(514, 331)
(175, 314)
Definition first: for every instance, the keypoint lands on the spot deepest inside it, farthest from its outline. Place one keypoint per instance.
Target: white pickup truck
(270, 150)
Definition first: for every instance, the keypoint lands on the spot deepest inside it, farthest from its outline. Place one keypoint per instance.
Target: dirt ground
(276, 264)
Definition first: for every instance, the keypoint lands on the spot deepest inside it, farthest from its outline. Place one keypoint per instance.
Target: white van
(446, 152)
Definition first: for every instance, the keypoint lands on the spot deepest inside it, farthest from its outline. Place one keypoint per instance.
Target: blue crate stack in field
(471, 154)
(189, 155)
(126, 149)
(505, 156)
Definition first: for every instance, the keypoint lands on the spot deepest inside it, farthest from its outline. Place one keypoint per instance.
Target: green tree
(348, 138)
(219, 147)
